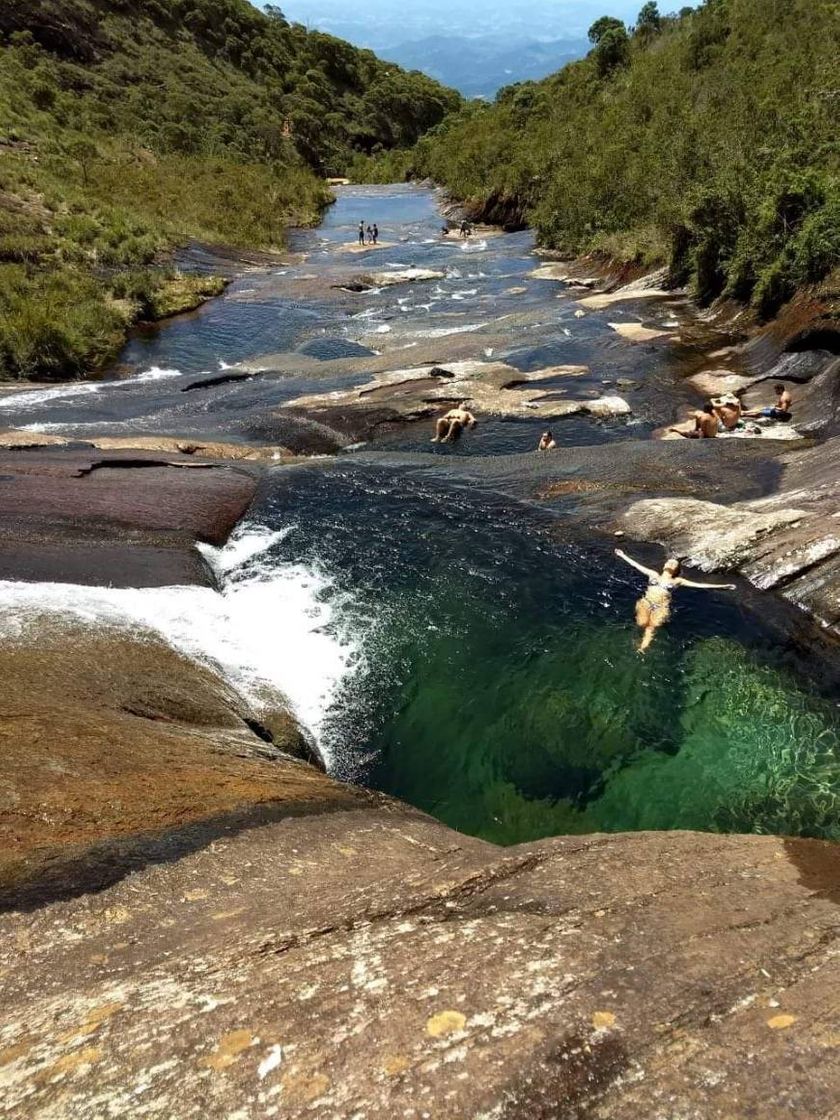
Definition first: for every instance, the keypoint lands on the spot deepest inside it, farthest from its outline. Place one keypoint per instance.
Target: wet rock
(651, 286)
(390, 279)
(711, 537)
(217, 379)
(635, 332)
(74, 515)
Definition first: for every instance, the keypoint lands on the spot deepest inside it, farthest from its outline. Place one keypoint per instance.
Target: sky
(380, 23)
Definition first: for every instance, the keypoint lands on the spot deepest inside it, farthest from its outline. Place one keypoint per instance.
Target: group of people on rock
(368, 235)
(726, 414)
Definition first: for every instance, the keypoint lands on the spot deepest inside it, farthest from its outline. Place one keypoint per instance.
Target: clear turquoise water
(500, 689)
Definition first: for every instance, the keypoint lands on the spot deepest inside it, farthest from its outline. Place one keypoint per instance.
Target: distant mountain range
(475, 47)
(479, 66)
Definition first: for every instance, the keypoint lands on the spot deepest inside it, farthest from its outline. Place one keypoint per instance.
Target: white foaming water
(274, 630)
(442, 332)
(474, 246)
(39, 396)
(157, 374)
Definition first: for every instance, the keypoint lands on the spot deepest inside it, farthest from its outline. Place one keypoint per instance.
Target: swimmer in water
(450, 426)
(654, 608)
(546, 441)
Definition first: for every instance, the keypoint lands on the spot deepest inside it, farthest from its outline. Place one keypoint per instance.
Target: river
(445, 641)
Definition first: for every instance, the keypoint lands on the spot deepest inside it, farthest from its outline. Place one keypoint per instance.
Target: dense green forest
(708, 140)
(128, 126)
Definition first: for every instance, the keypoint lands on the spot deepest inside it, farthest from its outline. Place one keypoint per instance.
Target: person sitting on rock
(705, 424)
(444, 231)
(450, 426)
(728, 411)
(782, 410)
(547, 442)
(654, 608)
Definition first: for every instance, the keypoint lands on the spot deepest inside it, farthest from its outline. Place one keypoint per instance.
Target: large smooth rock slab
(369, 962)
(59, 506)
(118, 751)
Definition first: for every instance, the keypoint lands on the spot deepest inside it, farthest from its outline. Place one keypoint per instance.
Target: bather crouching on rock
(703, 425)
(450, 426)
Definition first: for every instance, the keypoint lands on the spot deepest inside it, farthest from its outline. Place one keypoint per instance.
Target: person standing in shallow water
(654, 608)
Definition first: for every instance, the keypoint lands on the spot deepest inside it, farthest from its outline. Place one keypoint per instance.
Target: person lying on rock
(782, 410)
(654, 608)
(450, 426)
(705, 424)
(547, 442)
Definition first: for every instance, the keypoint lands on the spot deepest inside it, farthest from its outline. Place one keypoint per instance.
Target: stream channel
(446, 641)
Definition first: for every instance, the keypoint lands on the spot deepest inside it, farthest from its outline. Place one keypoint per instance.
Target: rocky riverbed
(199, 921)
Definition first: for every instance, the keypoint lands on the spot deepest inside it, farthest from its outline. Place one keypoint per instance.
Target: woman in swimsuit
(654, 608)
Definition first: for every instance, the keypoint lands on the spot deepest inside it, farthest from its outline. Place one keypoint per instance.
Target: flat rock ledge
(489, 388)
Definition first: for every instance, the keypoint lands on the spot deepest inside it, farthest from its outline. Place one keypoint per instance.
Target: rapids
(444, 640)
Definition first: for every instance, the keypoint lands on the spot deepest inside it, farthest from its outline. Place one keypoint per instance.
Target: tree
(613, 50)
(601, 26)
(84, 152)
(649, 21)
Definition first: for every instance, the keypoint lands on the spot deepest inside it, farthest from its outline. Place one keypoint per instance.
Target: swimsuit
(660, 604)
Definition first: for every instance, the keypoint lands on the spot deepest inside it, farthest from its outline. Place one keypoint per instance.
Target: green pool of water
(499, 687)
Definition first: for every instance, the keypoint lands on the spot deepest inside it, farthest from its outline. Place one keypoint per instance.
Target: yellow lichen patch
(395, 1065)
(104, 1011)
(445, 1022)
(781, 1022)
(77, 1059)
(78, 1032)
(301, 1087)
(195, 896)
(229, 1049)
(222, 914)
(12, 1053)
(602, 1020)
(115, 915)
(92, 1021)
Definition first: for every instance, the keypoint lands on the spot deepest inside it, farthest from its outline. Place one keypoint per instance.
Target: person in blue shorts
(781, 410)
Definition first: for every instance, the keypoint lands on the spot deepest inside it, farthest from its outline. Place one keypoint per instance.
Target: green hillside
(128, 126)
(709, 140)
